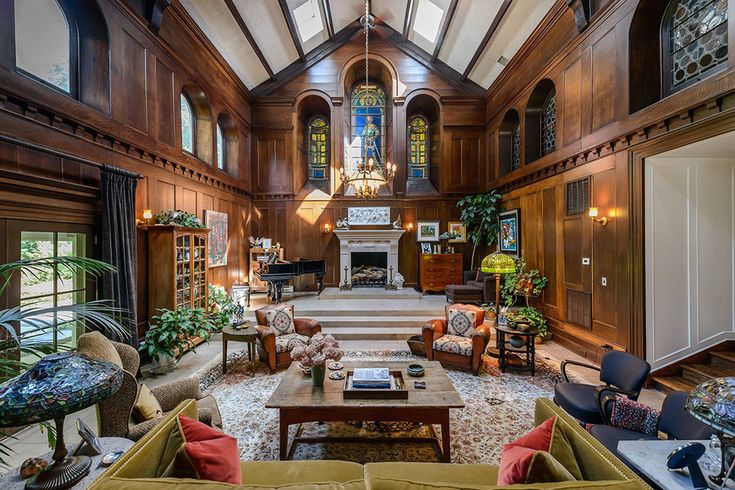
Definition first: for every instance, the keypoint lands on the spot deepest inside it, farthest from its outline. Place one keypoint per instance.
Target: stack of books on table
(371, 379)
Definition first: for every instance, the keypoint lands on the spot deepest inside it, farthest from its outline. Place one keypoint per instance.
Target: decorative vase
(163, 364)
(399, 280)
(317, 375)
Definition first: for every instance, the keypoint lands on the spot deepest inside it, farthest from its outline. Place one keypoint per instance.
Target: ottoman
(462, 293)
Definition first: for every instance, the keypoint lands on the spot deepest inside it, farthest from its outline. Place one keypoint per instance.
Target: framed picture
(428, 231)
(425, 248)
(267, 243)
(510, 232)
(89, 438)
(217, 222)
(457, 227)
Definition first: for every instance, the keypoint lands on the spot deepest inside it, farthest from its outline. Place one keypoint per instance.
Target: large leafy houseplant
(172, 333)
(221, 307)
(19, 350)
(480, 214)
(530, 316)
(522, 282)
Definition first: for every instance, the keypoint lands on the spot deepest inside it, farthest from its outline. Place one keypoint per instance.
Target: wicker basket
(416, 344)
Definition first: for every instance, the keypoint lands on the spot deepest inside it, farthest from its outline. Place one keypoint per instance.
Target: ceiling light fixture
(368, 177)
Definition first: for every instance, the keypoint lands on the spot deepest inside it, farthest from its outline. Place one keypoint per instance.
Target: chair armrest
(436, 328)
(129, 357)
(204, 415)
(306, 326)
(139, 430)
(264, 332)
(604, 396)
(482, 331)
(564, 364)
(169, 395)
(468, 276)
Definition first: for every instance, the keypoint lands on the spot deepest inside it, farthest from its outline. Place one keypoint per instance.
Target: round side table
(527, 350)
(246, 333)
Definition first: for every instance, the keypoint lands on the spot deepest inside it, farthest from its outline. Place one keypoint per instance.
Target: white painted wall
(690, 230)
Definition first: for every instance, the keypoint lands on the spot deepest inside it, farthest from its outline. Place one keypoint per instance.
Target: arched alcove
(423, 176)
(313, 142)
(540, 123)
(509, 144)
(203, 131)
(227, 144)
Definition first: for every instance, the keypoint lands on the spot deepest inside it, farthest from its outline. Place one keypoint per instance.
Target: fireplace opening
(369, 269)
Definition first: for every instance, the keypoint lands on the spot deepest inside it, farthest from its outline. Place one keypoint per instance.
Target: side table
(528, 349)
(12, 480)
(247, 333)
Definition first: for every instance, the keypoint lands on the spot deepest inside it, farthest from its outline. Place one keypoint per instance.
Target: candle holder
(346, 285)
(390, 285)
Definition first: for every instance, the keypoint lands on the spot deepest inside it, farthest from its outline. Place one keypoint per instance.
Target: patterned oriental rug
(498, 409)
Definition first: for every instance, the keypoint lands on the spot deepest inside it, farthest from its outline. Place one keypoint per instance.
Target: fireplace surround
(366, 242)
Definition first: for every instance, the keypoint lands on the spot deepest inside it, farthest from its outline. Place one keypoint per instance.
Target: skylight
(427, 20)
(308, 19)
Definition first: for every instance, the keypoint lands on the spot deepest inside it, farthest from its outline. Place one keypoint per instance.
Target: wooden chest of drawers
(437, 271)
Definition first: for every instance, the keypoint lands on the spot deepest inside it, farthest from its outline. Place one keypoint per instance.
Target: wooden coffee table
(299, 402)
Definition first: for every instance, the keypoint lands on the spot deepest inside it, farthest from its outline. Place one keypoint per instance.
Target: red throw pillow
(212, 454)
(517, 455)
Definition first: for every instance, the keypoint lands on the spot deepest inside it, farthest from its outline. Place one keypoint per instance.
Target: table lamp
(498, 263)
(55, 386)
(713, 403)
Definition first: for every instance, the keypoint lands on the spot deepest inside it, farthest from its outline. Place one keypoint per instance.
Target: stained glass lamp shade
(498, 263)
(713, 402)
(55, 386)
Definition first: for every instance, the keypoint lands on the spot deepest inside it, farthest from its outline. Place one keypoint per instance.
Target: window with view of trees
(187, 125)
(47, 57)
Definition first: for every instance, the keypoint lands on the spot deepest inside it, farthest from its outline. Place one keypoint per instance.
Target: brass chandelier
(368, 177)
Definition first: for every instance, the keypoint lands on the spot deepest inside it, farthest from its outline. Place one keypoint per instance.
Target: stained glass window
(187, 125)
(548, 124)
(220, 148)
(515, 148)
(696, 34)
(318, 149)
(367, 124)
(419, 146)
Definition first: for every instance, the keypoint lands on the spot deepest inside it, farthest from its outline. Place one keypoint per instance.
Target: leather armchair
(620, 374)
(115, 413)
(465, 353)
(482, 281)
(276, 351)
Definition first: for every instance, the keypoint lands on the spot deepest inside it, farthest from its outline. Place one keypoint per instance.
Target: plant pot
(164, 364)
(416, 344)
(317, 375)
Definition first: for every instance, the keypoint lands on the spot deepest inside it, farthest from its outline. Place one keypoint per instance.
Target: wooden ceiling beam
(244, 28)
(292, 29)
(485, 40)
(442, 34)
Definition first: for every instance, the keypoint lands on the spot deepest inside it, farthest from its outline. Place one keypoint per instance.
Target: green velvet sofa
(600, 468)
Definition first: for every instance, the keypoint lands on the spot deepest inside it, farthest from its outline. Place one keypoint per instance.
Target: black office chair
(621, 373)
(674, 421)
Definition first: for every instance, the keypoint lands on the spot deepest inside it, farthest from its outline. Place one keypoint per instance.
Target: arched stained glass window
(515, 148)
(695, 40)
(221, 150)
(419, 148)
(367, 124)
(187, 125)
(318, 147)
(46, 55)
(548, 124)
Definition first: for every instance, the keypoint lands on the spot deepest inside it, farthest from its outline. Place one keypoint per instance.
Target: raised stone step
(370, 293)
(371, 333)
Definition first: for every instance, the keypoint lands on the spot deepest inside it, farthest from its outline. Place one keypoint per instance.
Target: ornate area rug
(498, 409)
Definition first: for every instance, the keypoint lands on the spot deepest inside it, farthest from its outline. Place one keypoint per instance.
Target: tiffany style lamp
(55, 386)
(498, 263)
(713, 402)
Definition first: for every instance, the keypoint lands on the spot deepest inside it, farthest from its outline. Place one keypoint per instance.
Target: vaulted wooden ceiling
(268, 42)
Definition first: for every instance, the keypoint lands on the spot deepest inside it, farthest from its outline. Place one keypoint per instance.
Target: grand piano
(278, 273)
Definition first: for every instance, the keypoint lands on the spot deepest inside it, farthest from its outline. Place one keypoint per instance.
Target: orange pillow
(213, 455)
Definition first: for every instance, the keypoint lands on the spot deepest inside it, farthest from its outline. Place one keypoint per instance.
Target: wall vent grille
(578, 196)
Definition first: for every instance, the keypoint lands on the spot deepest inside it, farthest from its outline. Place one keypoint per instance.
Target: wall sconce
(409, 227)
(593, 212)
(327, 228)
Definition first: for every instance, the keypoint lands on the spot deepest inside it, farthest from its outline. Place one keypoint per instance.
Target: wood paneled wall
(599, 133)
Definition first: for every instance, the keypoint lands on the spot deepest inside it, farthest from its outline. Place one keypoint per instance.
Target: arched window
(45, 55)
(318, 150)
(367, 124)
(548, 124)
(509, 149)
(419, 148)
(221, 150)
(187, 125)
(515, 148)
(694, 40)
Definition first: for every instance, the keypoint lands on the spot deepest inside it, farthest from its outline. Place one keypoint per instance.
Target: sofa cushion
(635, 416)
(146, 407)
(286, 343)
(461, 322)
(280, 320)
(454, 344)
(280, 473)
(191, 484)
(460, 475)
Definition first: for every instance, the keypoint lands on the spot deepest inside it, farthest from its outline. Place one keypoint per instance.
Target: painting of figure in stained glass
(368, 124)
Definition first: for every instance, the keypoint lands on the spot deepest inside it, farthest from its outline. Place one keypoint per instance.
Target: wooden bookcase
(177, 267)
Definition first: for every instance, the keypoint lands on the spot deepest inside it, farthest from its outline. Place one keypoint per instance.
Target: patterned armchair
(456, 340)
(115, 414)
(276, 339)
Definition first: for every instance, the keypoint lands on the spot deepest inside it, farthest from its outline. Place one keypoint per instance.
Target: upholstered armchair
(461, 346)
(275, 350)
(115, 414)
(482, 281)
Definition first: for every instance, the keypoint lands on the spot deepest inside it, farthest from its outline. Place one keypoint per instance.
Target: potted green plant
(480, 214)
(178, 218)
(526, 284)
(528, 318)
(172, 333)
(221, 307)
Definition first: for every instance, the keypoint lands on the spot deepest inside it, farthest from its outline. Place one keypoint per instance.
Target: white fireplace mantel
(366, 241)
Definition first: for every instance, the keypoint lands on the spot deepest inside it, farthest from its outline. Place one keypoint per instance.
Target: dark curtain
(119, 244)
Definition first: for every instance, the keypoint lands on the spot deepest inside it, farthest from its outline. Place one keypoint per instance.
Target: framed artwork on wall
(425, 248)
(457, 228)
(510, 232)
(428, 231)
(267, 243)
(217, 222)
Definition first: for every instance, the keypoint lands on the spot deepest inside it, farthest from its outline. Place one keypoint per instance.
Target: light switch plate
(604, 281)
(585, 261)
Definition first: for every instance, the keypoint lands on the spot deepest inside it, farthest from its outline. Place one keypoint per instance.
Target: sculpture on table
(397, 225)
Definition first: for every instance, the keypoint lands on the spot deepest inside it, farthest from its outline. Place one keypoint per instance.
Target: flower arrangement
(317, 351)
